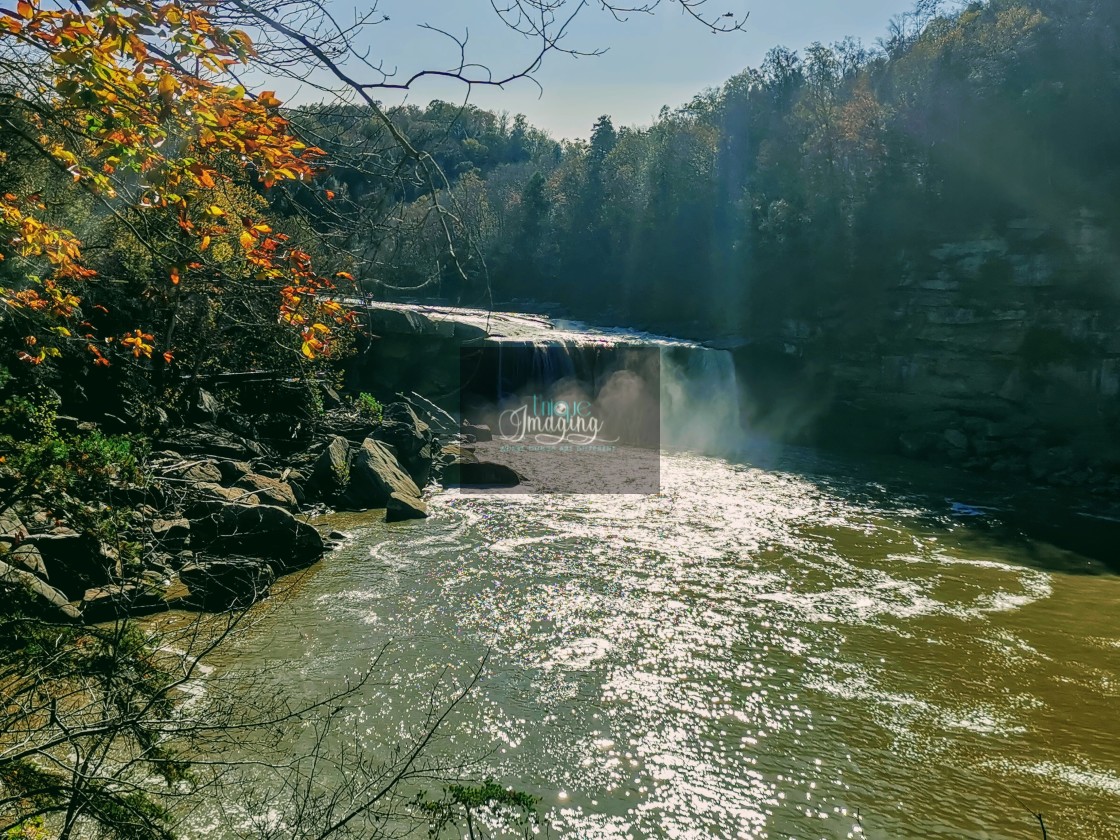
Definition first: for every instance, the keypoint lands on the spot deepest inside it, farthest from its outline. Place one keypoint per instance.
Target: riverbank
(216, 511)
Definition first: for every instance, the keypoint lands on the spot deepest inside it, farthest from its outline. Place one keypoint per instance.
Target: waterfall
(651, 389)
(694, 389)
(700, 401)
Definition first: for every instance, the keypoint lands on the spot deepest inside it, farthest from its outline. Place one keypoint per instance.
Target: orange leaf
(25, 10)
(330, 195)
(175, 276)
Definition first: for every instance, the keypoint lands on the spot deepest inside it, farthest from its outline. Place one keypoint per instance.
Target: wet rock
(375, 475)
(38, 596)
(228, 583)
(401, 507)
(479, 474)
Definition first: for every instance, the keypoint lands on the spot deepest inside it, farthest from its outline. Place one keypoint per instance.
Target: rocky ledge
(221, 515)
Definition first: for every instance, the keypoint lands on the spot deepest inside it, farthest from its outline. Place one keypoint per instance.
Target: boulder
(261, 531)
(206, 407)
(21, 554)
(74, 562)
(410, 438)
(207, 439)
(194, 471)
(269, 491)
(219, 493)
(375, 475)
(331, 474)
(401, 507)
(171, 535)
(222, 584)
(480, 433)
(457, 452)
(39, 597)
(233, 471)
(479, 474)
(106, 603)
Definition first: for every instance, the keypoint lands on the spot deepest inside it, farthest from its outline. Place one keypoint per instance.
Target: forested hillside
(933, 217)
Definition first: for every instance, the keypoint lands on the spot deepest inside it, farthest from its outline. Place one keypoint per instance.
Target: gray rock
(226, 494)
(457, 452)
(262, 531)
(171, 534)
(410, 437)
(117, 601)
(331, 474)
(227, 583)
(269, 491)
(21, 554)
(480, 433)
(479, 474)
(232, 471)
(401, 507)
(206, 407)
(41, 598)
(196, 471)
(375, 475)
(210, 440)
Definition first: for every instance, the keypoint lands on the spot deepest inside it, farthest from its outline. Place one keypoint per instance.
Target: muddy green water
(759, 651)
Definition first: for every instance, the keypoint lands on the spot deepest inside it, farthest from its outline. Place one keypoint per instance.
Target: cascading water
(700, 401)
(699, 392)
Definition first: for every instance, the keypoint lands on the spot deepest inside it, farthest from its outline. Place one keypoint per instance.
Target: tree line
(798, 190)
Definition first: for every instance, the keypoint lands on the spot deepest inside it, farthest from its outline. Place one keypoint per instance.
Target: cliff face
(999, 353)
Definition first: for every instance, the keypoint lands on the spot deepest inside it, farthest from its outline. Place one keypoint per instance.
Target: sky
(650, 60)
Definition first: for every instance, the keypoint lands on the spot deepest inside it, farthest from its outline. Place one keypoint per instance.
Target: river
(778, 644)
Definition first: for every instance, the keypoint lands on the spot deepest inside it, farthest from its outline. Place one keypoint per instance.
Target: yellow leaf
(247, 240)
(205, 242)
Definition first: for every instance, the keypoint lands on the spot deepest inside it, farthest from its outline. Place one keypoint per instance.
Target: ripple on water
(751, 653)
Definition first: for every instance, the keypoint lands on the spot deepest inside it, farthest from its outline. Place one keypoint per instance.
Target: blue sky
(652, 60)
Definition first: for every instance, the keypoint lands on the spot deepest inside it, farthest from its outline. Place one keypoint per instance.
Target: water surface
(788, 650)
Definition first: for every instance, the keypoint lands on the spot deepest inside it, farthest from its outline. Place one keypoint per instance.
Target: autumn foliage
(137, 107)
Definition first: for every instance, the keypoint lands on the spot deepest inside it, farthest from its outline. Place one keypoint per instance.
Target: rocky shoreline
(221, 513)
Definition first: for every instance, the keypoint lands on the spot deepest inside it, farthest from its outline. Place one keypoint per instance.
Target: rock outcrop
(375, 475)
